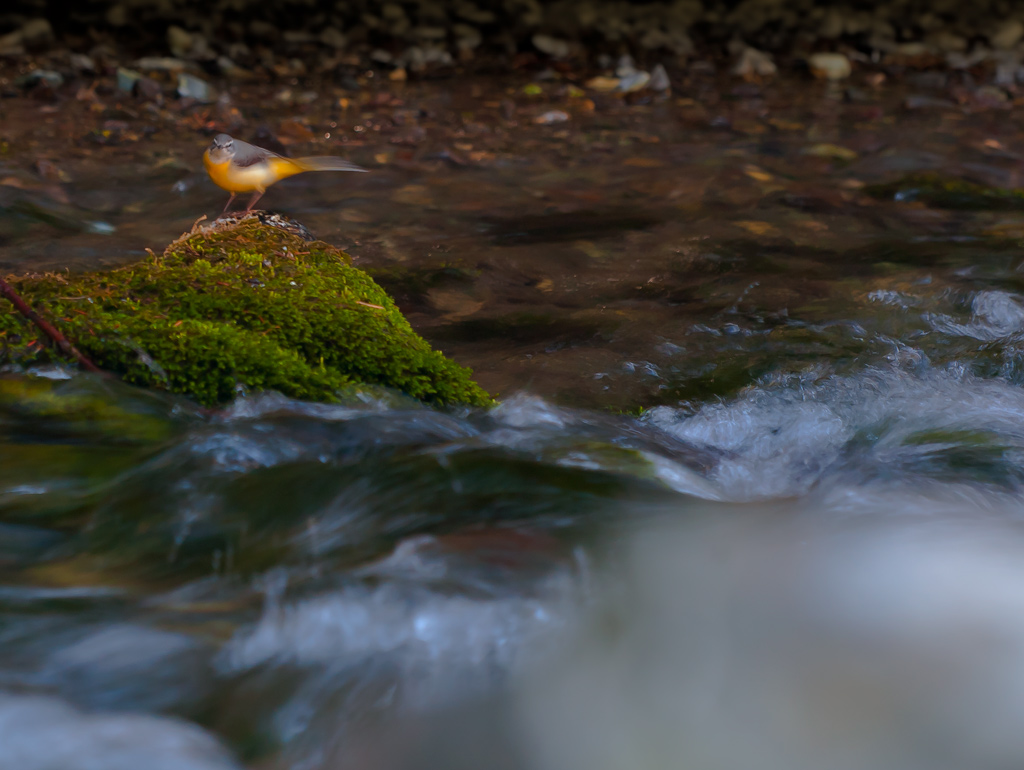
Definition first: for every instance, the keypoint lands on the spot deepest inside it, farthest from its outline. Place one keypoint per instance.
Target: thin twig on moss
(49, 329)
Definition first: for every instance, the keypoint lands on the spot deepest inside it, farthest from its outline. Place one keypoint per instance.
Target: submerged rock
(753, 63)
(245, 304)
(829, 66)
(191, 87)
(948, 193)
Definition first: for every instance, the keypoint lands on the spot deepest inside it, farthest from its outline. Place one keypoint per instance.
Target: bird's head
(222, 148)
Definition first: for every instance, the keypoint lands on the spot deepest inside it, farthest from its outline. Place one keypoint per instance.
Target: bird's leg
(255, 197)
(227, 205)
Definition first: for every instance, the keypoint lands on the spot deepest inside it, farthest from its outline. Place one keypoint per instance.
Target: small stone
(1008, 73)
(531, 13)
(298, 37)
(472, 13)
(392, 12)
(148, 90)
(179, 41)
(962, 61)
(332, 37)
(126, 79)
(431, 33)
(992, 97)
(753, 63)
(398, 75)
(552, 46)
(655, 38)
(834, 151)
(231, 70)
(552, 116)
(635, 82)
(928, 80)
(947, 41)
(238, 51)
(381, 56)
(829, 66)
(191, 87)
(81, 63)
(117, 15)
(412, 59)
(161, 64)
(263, 30)
(11, 44)
(832, 24)
(602, 83)
(1007, 34)
(36, 32)
(433, 54)
(625, 66)
(913, 49)
(467, 37)
(676, 41)
(659, 79)
(875, 79)
(47, 77)
(922, 102)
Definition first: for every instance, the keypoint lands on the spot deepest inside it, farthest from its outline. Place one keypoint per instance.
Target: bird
(238, 166)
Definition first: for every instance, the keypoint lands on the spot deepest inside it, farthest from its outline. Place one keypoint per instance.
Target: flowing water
(752, 497)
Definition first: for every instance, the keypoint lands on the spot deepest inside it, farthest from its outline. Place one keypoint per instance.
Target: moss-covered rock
(238, 304)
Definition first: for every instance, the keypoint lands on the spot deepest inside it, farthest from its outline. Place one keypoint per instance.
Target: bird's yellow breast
(255, 178)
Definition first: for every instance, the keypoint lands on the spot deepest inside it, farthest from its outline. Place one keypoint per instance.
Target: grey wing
(249, 154)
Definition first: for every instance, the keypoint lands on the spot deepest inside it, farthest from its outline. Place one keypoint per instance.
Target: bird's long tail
(326, 163)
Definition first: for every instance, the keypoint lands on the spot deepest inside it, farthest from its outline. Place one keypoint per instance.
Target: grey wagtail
(237, 166)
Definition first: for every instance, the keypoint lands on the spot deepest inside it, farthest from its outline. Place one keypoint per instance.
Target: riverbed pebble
(829, 66)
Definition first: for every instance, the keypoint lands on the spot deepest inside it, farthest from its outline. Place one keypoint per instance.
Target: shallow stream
(752, 497)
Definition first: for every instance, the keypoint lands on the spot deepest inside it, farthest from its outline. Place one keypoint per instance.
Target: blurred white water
(783, 439)
(767, 642)
(44, 733)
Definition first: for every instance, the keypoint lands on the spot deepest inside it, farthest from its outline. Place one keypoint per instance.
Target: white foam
(995, 315)
(781, 440)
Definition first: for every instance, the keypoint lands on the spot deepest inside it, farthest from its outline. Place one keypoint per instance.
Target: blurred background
(747, 281)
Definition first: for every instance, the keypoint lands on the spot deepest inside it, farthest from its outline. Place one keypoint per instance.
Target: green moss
(239, 305)
(75, 412)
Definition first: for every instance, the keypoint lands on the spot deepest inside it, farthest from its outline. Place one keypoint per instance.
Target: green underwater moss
(238, 305)
(949, 193)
